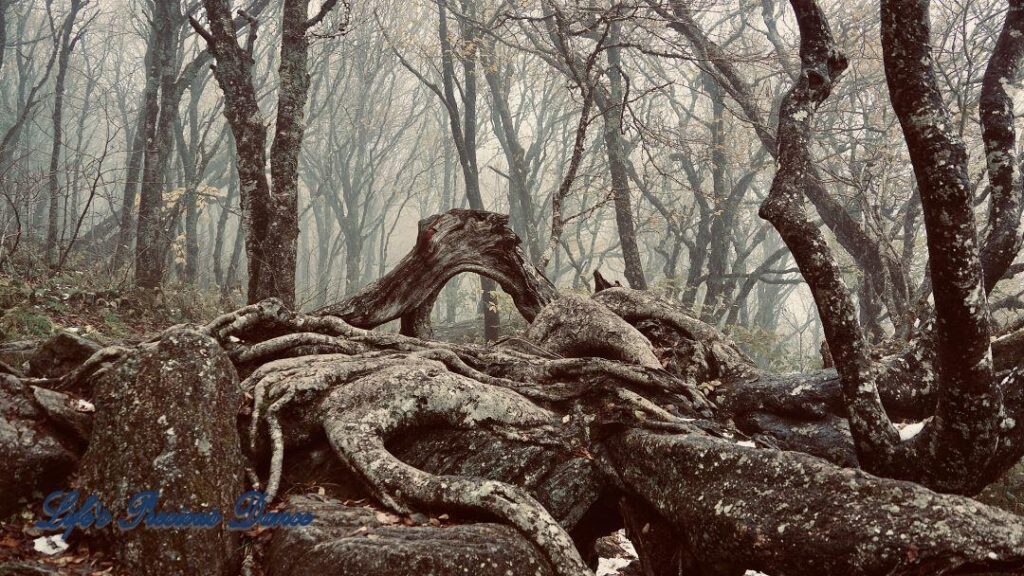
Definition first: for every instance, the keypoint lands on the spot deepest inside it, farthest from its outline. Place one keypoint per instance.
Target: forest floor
(89, 305)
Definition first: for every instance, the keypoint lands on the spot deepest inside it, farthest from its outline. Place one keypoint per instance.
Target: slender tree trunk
(324, 232)
(241, 108)
(520, 201)
(193, 166)
(4, 5)
(353, 260)
(191, 271)
(161, 112)
(237, 248)
(617, 158)
(721, 217)
(126, 229)
(464, 134)
(53, 227)
(222, 221)
(73, 198)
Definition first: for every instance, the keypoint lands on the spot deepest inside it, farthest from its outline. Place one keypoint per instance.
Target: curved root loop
(361, 416)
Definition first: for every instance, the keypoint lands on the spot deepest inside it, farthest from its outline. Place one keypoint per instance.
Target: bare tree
(68, 39)
(271, 214)
(161, 111)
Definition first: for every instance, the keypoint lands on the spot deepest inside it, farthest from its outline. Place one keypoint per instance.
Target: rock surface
(165, 420)
(359, 541)
(60, 355)
(38, 456)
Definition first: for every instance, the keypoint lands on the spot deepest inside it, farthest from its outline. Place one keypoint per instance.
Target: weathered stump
(166, 420)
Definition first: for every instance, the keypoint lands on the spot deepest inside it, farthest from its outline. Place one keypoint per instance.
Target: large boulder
(166, 420)
(360, 541)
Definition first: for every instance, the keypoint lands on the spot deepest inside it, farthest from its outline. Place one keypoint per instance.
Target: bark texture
(1003, 241)
(160, 112)
(969, 407)
(358, 541)
(972, 436)
(270, 211)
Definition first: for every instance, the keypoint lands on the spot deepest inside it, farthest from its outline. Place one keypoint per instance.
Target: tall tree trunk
(1003, 241)
(161, 112)
(191, 271)
(4, 5)
(126, 229)
(270, 215)
(721, 217)
(969, 418)
(67, 44)
(193, 165)
(241, 108)
(520, 201)
(617, 158)
(281, 235)
(324, 232)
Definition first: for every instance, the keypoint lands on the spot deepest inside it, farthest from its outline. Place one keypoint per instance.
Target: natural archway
(446, 245)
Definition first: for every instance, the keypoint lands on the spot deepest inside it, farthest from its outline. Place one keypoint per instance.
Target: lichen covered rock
(166, 420)
(60, 355)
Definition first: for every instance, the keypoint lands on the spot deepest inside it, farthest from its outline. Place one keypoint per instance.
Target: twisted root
(362, 416)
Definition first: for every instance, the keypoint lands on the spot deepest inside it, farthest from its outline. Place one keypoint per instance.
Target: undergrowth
(92, 302)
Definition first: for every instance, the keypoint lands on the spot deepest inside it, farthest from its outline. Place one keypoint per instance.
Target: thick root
(578, 327)
(361, 417)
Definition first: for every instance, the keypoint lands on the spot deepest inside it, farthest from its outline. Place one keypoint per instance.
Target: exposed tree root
(362, 416)
(497, 430)
(580, 327)
(764, 509)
